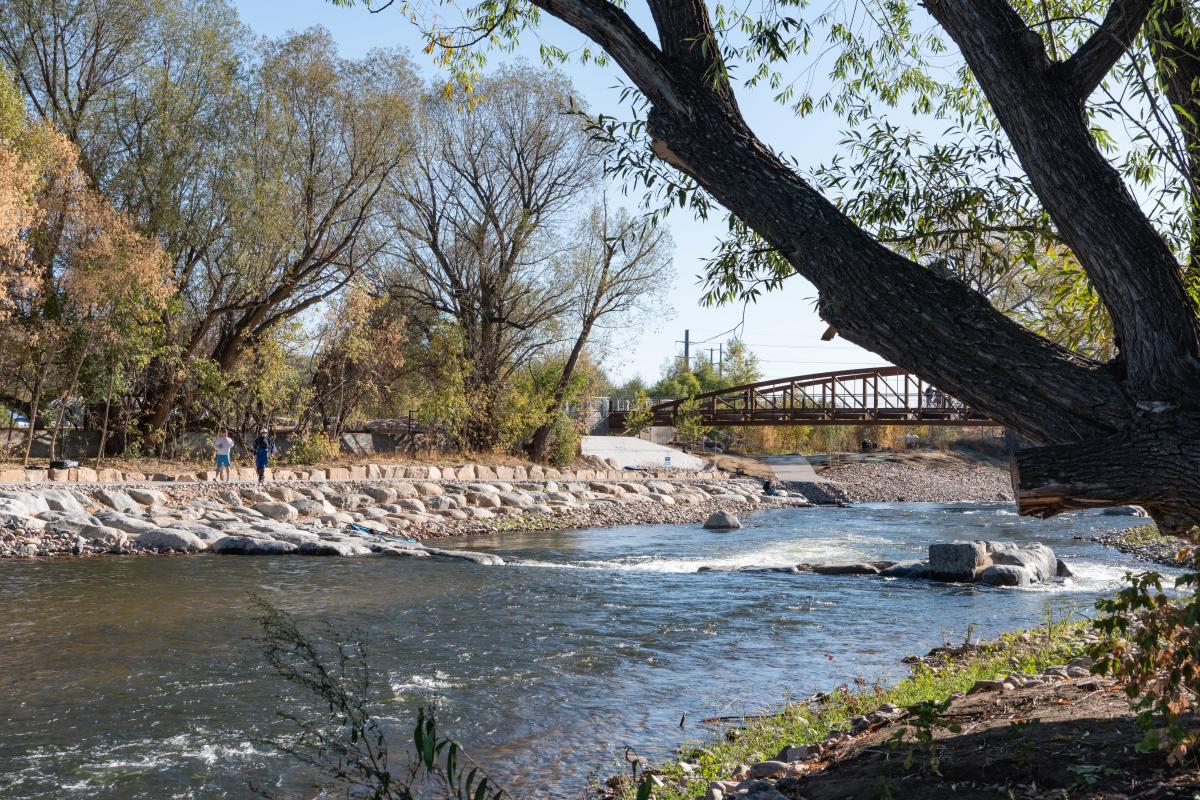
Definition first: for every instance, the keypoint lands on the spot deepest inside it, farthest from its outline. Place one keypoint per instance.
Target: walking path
(632, 452)
(792, 468)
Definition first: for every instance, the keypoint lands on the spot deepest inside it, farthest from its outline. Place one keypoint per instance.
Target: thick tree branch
(1132, 267)
(936, 327)
(612, 29)
(682, 26)
(1096, 56)
(1174, 37)
(1152, 465)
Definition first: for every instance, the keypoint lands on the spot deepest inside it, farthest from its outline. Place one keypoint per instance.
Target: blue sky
(781, 328)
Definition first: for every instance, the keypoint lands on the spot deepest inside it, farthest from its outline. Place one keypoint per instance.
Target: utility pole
(687, 350)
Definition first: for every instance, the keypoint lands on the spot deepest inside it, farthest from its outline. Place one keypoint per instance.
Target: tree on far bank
(621, 270)
(479, 229)
(258, 165)
(82, 286)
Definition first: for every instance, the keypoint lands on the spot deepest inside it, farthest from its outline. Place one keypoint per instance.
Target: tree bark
(1152, 465)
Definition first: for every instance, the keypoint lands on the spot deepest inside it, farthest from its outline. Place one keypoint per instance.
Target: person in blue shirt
(264, 448)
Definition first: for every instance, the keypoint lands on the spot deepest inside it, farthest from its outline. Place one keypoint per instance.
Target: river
(139, 677)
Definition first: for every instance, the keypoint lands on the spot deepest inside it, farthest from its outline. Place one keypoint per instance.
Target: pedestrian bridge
(875, 396)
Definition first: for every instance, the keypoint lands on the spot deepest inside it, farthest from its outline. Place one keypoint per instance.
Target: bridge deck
(877, 396)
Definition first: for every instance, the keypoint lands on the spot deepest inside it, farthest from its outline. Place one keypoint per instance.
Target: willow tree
(1121, 431)
(478, 228)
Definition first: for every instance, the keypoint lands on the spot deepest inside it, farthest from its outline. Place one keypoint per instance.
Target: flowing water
(140, 677)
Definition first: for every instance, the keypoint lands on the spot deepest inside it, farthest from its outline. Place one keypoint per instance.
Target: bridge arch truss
(874, 396)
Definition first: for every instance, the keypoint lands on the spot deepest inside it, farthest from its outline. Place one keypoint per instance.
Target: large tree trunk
(1095, 415)
(1153, 465)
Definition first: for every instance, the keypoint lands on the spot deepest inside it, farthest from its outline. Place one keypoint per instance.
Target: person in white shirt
(222, 446)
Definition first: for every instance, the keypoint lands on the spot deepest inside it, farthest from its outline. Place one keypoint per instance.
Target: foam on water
(436, 683)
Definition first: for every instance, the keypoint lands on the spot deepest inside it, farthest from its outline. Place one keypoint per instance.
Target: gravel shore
(891, 482)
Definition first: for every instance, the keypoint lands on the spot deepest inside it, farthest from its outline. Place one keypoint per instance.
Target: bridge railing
(884, 395)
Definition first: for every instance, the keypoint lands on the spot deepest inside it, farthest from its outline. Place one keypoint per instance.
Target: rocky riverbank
(1023, 716)
(1145, 543)
(347, 518)
(891, 481)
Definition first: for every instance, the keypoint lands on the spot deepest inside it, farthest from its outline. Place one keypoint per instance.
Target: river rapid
(139, 677)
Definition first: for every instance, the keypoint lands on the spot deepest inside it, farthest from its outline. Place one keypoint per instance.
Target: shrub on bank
(1152, 647)
(312, 448)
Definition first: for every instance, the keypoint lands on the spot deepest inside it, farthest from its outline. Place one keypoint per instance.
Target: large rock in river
(1004, 575)
(994, 563)
(722, 521)
(957, 561)
(1036, 558)
(861, 568)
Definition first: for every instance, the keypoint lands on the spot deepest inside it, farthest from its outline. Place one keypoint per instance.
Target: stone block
(86, 475)
(957, 561)
(60, 475)
(12, 476)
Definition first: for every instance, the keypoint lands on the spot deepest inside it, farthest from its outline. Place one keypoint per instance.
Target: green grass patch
(800, 724)
(1144, 535)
